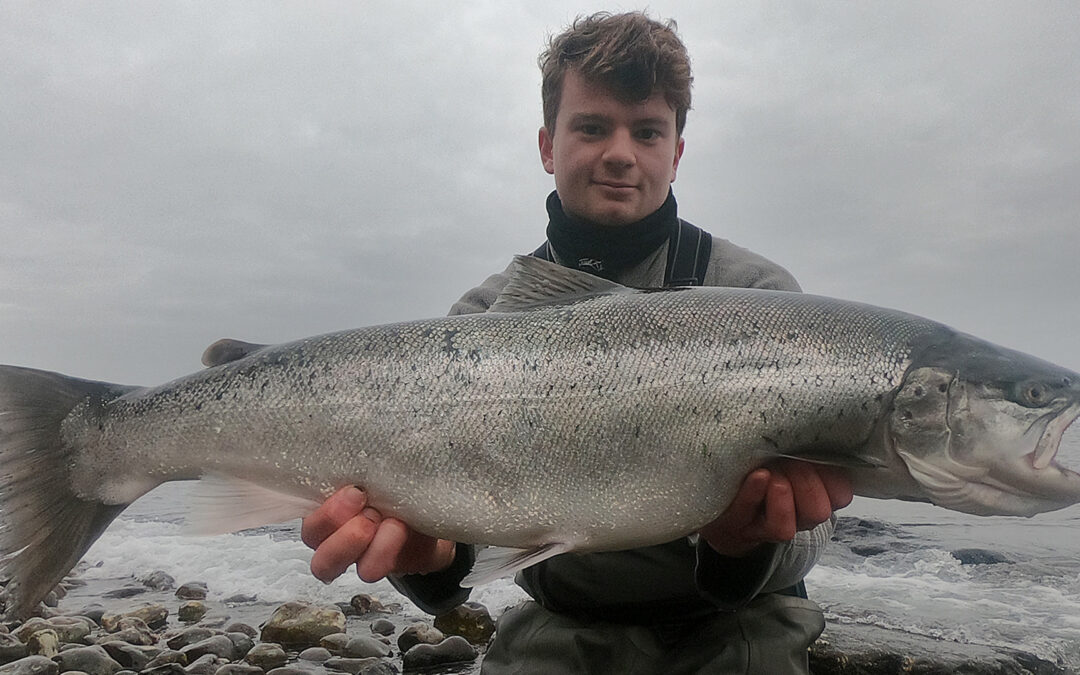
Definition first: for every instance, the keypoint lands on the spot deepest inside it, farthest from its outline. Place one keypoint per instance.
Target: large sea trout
(575, 415)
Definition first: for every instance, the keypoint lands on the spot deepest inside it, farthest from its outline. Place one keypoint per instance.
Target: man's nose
(620, 149)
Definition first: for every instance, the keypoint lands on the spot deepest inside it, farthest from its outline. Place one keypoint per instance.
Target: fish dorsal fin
(221, 504)
(226, 350)
(494, 562)
(536, 283)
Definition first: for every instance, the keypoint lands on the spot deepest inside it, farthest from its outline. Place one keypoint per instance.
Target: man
(616, 91)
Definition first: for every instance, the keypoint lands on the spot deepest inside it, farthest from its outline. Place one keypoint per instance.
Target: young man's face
(613, 162)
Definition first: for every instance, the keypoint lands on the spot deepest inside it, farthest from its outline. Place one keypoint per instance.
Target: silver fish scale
(617, 421)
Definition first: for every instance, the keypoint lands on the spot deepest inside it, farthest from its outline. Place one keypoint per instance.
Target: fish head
(979, 428)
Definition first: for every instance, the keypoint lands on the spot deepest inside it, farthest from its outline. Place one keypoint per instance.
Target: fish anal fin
(220, 504)
(227, 350)
(495, 562)
(536, 283)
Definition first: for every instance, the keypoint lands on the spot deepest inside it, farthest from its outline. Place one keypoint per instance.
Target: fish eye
(1033, 394)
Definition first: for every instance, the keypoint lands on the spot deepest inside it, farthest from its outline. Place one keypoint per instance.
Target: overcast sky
(171, 173)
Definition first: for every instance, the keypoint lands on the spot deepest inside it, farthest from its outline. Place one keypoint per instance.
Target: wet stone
(44, 642)
(980, 556)
(419, 633)
(454, 649)
(363, 647)
(92, 660)
(31, 665)
(334, 643)
(124, 592)
(167, 656)
(12, 648)
(239, 627)
(191, 611)
(218, 645)
(192, 590)
(240, 599)
(239, 669)
(190, 636)
(470, 620)
(364, 603)
(165, 669)
(242, 644)
(315, 654)
(267, 655)
(296, 624)
(158, 580)
(354, 666)
(131, 656)
(288, 670)
(207, 664)
(383, 627)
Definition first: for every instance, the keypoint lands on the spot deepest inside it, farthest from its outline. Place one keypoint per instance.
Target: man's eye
(648, 134)
(591, 129)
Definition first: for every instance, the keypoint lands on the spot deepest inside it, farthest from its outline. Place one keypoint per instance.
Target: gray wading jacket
(678, 580)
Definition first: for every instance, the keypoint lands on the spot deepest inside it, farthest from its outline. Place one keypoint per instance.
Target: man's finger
(337, 510)
(780, 523)
(345, 546)
(381, 557)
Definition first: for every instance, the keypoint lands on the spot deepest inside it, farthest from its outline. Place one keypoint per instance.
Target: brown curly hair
(629, 54)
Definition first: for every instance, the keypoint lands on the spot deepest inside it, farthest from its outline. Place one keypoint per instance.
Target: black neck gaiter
(605, 250)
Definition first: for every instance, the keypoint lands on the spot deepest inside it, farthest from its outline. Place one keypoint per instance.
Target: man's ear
(678, 155)
(546, 157)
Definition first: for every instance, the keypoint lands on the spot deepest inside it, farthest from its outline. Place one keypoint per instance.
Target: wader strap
(544, 252)
(688, 251)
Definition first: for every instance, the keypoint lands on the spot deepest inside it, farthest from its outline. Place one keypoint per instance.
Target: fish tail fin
(45, 527)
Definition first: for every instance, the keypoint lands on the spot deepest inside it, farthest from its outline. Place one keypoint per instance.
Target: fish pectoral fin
(494, 562)
(227, 350)
(835, 457)
(536, 283)
(220, 504)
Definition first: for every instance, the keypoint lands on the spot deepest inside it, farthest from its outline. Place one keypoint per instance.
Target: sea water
(909, 581)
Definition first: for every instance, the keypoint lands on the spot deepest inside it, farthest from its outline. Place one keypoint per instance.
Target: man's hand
(345, 530)
(774, 503)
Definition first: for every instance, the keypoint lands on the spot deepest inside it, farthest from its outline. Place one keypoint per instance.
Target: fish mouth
(1045, 453)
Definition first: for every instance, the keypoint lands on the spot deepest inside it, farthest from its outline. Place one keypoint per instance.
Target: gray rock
(31, 665)
(239, 669)
(470, 620)
(383, 627)
(364, 603)
(167, 656)
(239, 627)
(289, 670)
(419, 633)
(207, 664)
(218, 645)
(129, 655)
(12, 648)
(296, 624)
(191, 611)
(980, 556)
(315, 654)
(242, 644)
(93, 611)
(215, 620)
(192, 590)
(454, 649)
(124, 592)
(363, 647)
(91, 660)
(353, 666)
(158, 580)
(240, 599)
(154, 615)
(29, 627)
(165, 669)
(190, 636)
(72, 628)
(267, 655)
(44, 642)
(334, 643)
